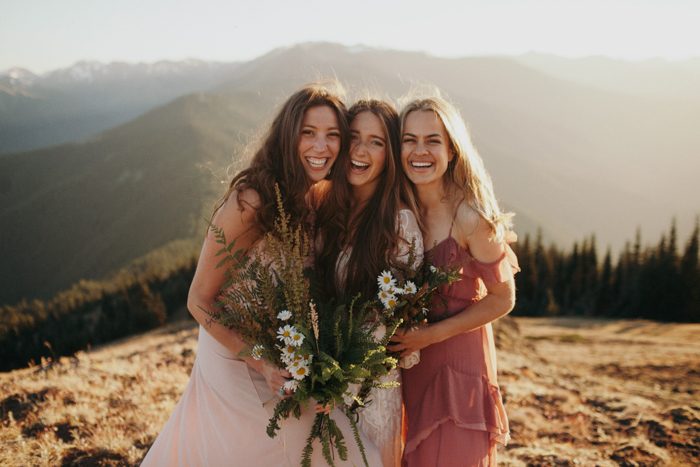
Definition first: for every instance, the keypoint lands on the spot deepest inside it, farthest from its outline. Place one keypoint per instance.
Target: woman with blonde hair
(454, 410)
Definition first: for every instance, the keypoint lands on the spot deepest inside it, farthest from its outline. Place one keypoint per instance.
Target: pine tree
(690, 276)
(604, 295)
(526, 280)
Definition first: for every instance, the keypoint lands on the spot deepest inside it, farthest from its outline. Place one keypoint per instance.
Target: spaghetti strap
(454, 217)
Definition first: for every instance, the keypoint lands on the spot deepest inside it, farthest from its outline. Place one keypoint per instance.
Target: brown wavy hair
(277, 161)
(373, 232)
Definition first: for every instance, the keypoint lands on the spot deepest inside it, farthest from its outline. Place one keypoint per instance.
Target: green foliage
(338, 349)
(653, 282)
(135, 299)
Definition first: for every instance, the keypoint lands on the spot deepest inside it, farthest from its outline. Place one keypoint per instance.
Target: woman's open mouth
(358, 166)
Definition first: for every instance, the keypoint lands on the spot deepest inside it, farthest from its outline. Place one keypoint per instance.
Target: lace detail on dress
(381, 420)
(409, 232)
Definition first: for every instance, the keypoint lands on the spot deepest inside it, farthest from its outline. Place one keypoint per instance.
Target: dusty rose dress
(454, 410)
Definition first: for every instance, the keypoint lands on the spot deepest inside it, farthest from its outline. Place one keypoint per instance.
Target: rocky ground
(577, 391)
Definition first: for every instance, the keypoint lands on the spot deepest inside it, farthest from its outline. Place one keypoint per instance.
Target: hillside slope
(577, 392)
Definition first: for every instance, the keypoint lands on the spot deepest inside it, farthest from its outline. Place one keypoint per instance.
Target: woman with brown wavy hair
(454, 411)
(221, 418)
(367, 226)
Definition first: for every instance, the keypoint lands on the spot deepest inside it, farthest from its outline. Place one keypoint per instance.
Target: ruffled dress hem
(443, 403)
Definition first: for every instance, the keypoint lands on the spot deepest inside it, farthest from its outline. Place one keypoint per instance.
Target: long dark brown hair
(373, 232)
(278, 161)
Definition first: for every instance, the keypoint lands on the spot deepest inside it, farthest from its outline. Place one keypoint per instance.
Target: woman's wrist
(253, 363)
(435, 333)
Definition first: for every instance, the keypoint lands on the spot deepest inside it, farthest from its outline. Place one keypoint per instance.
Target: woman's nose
(420, 148)
(321, 143)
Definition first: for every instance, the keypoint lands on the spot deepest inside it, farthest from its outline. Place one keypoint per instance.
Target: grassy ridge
(135, 299)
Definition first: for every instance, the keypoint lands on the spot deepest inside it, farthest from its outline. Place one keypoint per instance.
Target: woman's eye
(378, 143)
(307, 132)
(434, 141)
(334, 135)
(409, 140)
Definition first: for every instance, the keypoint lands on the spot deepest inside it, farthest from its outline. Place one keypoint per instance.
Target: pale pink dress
(222, 416)
(454, 410)
(220, 419)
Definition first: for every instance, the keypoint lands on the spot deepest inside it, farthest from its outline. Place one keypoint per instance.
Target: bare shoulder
(475, 234)
(238, 211)
(481, 243)
(248, 199)
(467, 221)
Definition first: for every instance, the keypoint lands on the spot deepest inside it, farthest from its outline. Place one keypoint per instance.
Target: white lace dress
(381, 420)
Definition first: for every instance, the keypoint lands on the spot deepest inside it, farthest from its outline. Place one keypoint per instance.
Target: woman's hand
(275, 377)
(405, 342)
(324, 408)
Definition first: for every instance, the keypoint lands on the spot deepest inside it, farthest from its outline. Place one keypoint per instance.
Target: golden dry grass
(577, 391)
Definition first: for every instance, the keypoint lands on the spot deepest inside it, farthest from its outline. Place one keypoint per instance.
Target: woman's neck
(431, 195)
(362, 194)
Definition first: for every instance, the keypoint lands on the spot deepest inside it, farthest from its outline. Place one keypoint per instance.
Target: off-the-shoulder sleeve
(409, 233)
(501, 270)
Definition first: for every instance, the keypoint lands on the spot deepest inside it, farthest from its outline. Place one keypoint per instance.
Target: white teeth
(317, 163)
(421, 164)
(358, 164)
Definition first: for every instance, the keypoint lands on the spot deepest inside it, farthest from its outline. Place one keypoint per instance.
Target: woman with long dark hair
(221, 418)
(366, 226)
(454, 410)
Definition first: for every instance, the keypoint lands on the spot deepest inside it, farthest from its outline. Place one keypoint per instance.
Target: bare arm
(237, 219)
(499, 300)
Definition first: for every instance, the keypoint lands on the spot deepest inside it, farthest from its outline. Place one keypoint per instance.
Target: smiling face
(319, 141)
(368, 151)
(425, 148)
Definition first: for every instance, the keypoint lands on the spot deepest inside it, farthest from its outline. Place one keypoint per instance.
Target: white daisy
(256, 352)
(389, 302)
(291, 385)
(386, 280)
(296, 339)
(299, 370)
(410, 287)
(284, 315)
(433, 269)
(288, 354)
(285, 332)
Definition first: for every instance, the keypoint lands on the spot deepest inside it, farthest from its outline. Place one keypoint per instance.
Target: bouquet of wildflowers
(327, 347)
(405, 302)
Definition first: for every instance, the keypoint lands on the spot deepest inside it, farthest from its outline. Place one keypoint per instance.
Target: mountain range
(73, 103)
(574, 156)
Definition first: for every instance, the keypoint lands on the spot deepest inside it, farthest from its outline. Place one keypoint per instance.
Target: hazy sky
(45, 34)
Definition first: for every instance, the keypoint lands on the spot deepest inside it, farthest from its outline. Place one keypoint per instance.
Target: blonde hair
(466, 170)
